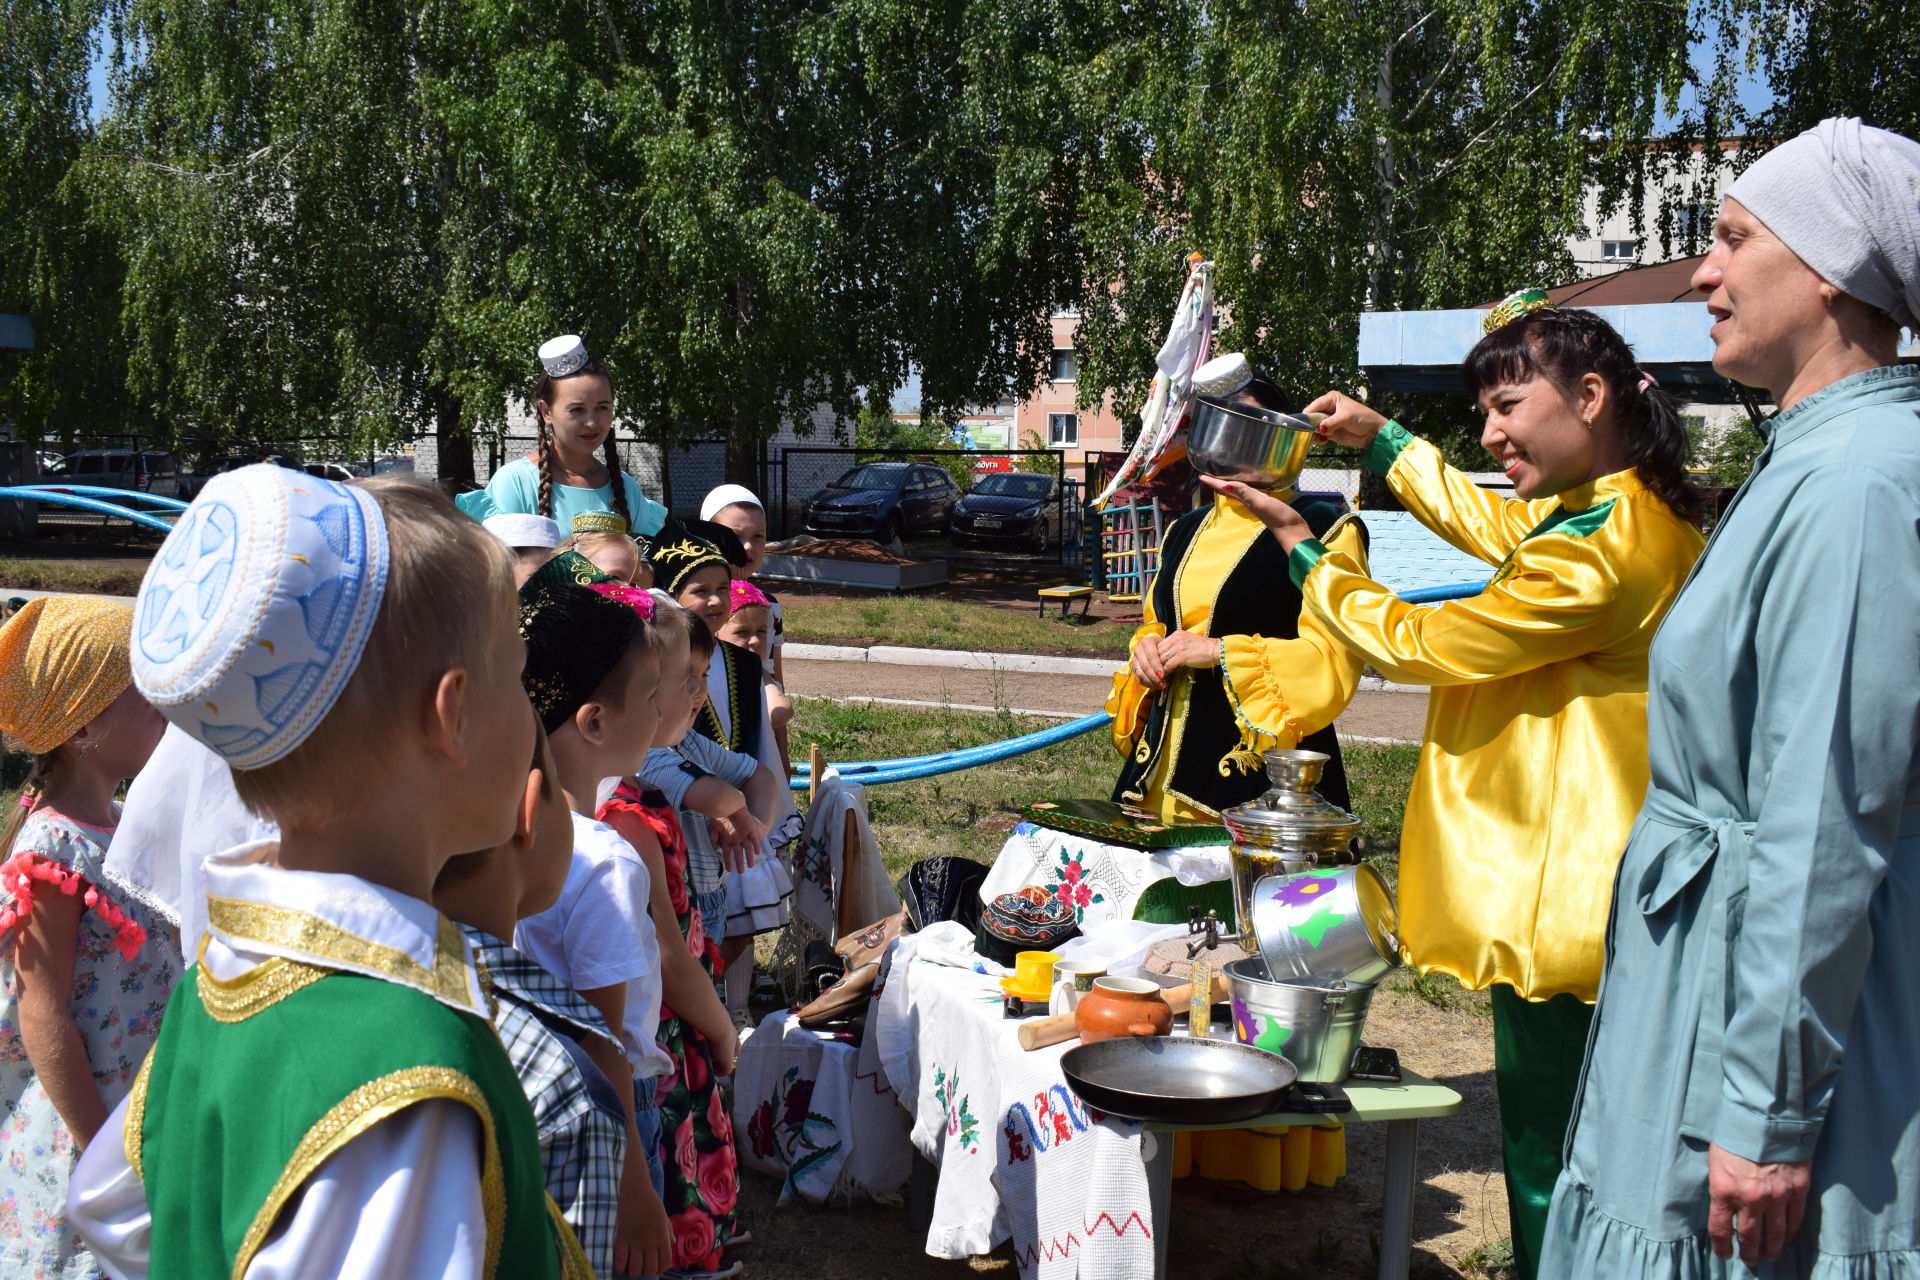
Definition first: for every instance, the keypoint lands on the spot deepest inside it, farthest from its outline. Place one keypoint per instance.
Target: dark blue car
(883, 501)
(1006, 508)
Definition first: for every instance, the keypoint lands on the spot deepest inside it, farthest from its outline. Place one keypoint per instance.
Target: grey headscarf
(1846, 198)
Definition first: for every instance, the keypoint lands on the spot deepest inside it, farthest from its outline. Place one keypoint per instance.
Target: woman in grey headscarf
(1751, 1086)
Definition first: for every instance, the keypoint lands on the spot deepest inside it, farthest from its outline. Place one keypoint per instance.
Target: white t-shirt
(600, 933)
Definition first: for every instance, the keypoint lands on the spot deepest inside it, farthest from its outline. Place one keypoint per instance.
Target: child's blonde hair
(447, 580)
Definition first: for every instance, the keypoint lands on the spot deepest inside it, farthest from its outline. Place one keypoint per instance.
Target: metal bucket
(1248, 443)
(1315, 1027)
(1326, 925)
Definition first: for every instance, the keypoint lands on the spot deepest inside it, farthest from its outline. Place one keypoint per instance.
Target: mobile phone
(1370, 1063)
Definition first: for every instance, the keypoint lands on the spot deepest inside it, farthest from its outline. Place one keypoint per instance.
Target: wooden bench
(1066, 596)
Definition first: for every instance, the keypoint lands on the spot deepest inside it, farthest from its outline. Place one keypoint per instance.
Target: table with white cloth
(1101, 882)
(1021, 1158)
(817, 1112)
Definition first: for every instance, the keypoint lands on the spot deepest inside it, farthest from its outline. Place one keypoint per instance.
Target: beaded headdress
(1516, 304)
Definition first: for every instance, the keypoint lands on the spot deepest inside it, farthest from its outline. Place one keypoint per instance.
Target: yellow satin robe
(1535, 759)
(1281, 690)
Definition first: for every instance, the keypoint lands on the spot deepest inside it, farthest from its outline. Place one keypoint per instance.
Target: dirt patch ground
(1226, 1230)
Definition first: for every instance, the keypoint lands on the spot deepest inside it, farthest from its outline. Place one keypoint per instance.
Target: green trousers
(1537, 1051)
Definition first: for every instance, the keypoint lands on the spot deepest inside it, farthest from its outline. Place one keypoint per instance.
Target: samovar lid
(1291, 813)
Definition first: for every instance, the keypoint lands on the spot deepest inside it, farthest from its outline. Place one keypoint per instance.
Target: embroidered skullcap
(727, 495)
(568, 567)
(1029, 919)
(254, 614)
(575, 637)
(563, 355)
(724, 540)
(599, 522)
(1222, 375)
(1845, 197)
(676, 561)
(519, 531)
(641, 602)
(742, 594)
(1516, 304)
(63, 660)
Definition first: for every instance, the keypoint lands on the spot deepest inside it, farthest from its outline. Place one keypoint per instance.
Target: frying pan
(1178, 1079)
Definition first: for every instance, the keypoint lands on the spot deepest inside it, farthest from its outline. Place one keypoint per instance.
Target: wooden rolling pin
(1039, 1033)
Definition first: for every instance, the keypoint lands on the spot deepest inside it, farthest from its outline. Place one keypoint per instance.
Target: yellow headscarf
(63, 659)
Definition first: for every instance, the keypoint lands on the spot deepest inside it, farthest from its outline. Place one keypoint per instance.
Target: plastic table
(1401, 1107)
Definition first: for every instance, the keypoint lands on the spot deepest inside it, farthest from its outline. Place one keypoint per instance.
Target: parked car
(148, 470)
(343, 472)
(194, 481)
(387, 466)
(1016, 507)
(882, 500)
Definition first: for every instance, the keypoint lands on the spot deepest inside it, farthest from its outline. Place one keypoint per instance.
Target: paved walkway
(1371, 715)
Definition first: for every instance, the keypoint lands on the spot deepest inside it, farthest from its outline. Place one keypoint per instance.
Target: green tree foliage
(55, 268)
(877, 429)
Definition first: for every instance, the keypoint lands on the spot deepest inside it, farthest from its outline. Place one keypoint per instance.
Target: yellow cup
(1033, 970)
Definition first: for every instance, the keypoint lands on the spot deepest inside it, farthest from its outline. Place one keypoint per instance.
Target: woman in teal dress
(576, 466)
(1750, 1103)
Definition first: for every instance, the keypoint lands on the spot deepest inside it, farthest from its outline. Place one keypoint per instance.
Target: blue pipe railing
(60, 499)
(906, 768)
(159, 500)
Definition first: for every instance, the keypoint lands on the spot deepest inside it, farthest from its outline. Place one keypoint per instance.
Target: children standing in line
(702, 1180)
(726, 803)
(544, 1024)
(592, 671)
(85, 965)
(353, 653)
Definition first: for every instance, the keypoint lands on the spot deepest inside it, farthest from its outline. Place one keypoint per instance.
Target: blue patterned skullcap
(255, 612)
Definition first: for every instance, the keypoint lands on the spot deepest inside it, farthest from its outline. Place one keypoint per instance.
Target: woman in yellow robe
(1226, 665)
(1535, 759)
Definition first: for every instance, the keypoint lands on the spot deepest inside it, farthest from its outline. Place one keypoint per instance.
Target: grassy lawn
(69, 575)
(970, 813)
(928, 622)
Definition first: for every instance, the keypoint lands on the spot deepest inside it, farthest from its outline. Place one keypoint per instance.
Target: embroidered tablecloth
(820, 1115)
(1020, 1157)
(1101, 882)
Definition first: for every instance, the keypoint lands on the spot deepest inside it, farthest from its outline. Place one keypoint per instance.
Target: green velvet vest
(253, 1083)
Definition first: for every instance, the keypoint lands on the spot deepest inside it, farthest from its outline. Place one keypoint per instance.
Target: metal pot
(1315, 1027)
(1248, 443)
(1289, 828)
(1325, 925)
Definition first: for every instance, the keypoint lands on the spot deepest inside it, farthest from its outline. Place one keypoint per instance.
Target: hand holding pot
(1286, 525)
(1348, 421)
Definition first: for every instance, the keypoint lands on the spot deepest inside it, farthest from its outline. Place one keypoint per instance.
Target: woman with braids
(1535, 757)
(576, 467)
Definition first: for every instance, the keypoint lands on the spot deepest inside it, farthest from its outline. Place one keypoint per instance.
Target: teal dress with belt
(1762, 985)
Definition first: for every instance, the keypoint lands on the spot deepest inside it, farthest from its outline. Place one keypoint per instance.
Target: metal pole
(1396, 1214)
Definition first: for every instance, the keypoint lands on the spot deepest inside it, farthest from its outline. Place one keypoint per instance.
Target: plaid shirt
(582, 1126)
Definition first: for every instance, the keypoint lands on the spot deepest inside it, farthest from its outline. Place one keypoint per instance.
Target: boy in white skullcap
(327, 1096)
(534, 540)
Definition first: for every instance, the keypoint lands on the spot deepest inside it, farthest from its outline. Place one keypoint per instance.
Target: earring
(1831, 295)
(83, 752)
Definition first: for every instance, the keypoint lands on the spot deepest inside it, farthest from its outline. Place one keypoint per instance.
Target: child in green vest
(327, 1096)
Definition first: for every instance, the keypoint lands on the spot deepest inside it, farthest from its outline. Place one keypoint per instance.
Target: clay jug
(1122, 1007)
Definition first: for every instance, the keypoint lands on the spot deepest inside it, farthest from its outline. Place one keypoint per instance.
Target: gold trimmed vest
(256, 1081)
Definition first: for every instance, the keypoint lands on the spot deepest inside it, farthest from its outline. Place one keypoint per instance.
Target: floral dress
(702, 1178)
(121, 981)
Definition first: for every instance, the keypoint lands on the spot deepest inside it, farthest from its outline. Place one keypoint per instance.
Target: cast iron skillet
(1178, 1079)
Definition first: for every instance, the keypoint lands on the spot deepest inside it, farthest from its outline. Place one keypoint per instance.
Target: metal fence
(799, 474)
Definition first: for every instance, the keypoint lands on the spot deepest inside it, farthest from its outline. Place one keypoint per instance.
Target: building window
(1696, 222)
(1063, 429)
(1619, 250)
(1063, 367)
